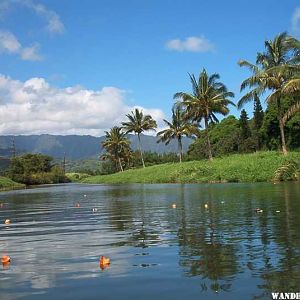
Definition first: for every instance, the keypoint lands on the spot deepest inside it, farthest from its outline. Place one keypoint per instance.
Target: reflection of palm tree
(131, 216)
(202, 252)
(285, 276)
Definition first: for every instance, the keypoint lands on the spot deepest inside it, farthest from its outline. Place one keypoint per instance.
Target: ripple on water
(155, 250)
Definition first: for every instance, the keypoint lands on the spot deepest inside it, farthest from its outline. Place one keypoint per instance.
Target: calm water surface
(225, 251)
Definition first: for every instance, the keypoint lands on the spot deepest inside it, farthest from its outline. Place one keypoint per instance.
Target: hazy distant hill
(76, 146)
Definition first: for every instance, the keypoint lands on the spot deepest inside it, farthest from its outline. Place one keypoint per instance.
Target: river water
(213, 245)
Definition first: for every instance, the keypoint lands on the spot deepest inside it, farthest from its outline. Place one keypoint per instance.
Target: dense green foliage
(224, 137)
(258, 118)
(233, 136)
(270, 130)
(33, 169)
(255, 167)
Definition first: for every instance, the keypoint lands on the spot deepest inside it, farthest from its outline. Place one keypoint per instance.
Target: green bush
(34, 169)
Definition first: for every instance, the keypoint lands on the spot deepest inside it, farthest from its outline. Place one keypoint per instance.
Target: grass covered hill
(8, 184)
(255, 167)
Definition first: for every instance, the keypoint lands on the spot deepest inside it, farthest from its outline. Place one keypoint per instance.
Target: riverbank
(7, 184)
(77, 177)
(254, 167)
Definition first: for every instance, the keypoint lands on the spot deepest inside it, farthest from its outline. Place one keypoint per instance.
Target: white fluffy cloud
(296, 21)
(35, 107)
(54, 24)
(191, 44)
(10, 44)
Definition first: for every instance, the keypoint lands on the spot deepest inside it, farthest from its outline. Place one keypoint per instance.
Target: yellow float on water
(104, 262)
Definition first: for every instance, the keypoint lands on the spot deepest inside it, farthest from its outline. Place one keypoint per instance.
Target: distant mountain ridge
(77, 146)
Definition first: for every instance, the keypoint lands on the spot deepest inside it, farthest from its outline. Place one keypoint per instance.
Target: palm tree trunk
(180, 149)
(207, 140)
(140, 148)
(283, 144)
(120, 164)
(281, 126)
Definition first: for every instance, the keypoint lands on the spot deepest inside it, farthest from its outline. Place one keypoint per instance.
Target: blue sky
(141, 50)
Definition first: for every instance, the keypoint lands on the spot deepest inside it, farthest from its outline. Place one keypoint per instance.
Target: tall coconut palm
(177, 128)
(272, 71)
(117, 145)
(138, 123)
(209, 97)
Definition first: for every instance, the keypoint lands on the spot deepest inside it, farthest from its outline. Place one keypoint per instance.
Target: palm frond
(289, 171)
(291, 111)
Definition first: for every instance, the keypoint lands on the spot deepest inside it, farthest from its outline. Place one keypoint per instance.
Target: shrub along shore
(255, 167)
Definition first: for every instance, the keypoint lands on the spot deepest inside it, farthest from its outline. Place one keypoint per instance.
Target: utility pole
(64, 163)
(13, 147)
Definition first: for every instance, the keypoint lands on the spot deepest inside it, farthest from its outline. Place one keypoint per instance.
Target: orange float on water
(104, 262)
(5, 259)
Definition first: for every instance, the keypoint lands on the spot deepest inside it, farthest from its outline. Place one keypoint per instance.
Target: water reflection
(226, 248)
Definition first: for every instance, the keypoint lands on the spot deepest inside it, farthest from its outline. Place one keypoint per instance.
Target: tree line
(275, 73)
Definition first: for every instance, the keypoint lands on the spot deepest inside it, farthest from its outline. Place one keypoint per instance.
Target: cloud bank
(36, 107)
(190, 44)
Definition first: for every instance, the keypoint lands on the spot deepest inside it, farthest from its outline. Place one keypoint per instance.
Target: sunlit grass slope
(8, 184)
(255, 167)
(77, 177)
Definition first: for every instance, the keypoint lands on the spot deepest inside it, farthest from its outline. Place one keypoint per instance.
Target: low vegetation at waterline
(255, 167)
(77, 177)
(8, 184)
(32, 169)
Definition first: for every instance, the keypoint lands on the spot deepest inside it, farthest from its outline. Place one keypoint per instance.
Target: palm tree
(138, 123)
(117, 146)
(208, 98)
(177, 128)
(272, 71)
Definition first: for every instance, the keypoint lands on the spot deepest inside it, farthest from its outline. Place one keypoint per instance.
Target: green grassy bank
(77, 177)
(8, 184)
(255, 167)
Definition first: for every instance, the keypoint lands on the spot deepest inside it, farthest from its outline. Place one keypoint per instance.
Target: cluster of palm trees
(276, 72)
(116, 143)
